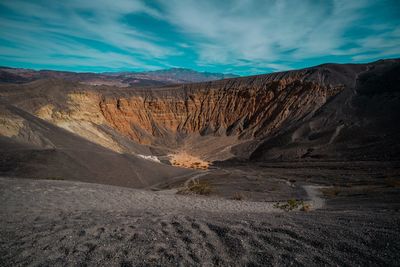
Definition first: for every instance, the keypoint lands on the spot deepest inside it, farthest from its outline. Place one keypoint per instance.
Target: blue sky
(243, 37)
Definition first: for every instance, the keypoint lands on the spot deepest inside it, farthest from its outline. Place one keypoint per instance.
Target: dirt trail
(194, 177)
(315, 196)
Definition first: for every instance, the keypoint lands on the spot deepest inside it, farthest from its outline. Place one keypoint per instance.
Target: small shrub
(238, 196)
(196, 187)
(290, 205)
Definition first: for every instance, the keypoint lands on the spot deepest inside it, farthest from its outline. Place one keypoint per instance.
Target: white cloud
(50, 28)
(269, 31)
(250, 35)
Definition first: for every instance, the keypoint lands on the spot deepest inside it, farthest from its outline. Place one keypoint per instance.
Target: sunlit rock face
(245, 108)
(288, 115)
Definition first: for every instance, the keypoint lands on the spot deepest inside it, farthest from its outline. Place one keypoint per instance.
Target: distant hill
(119, 79)
(187, 75)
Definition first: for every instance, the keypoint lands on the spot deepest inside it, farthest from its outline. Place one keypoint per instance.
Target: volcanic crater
(322, 140)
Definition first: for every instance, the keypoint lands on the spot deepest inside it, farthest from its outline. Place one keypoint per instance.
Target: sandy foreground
(58, 223)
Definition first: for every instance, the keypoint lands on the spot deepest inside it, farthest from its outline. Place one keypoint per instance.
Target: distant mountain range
(120, 79)
(177, 75)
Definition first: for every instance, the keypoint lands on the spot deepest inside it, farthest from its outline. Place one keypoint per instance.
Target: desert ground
(352, 220)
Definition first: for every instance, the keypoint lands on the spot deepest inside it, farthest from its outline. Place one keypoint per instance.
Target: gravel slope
(58, 223)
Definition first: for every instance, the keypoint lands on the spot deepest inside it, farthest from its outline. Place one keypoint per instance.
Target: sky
(238, 36)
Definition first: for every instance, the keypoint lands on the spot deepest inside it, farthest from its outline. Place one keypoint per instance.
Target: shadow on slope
(360, 123)
(45, 151)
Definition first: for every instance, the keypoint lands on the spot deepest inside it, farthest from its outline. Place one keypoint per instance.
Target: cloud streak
(282, 31)
(243, 36)
(55, 33)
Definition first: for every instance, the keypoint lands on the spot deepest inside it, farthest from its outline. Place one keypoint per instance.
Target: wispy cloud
(242, 36)
(89, 31)
(282, 31)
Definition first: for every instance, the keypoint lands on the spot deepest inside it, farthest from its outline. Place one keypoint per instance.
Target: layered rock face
(246, 107)
(288, 115)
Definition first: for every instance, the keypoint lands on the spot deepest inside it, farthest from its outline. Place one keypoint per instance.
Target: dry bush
(197, 187)
(293, 204)
(290, 205)
(238, 196)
